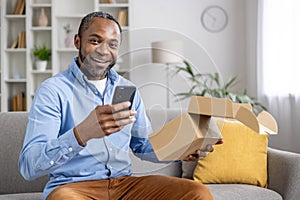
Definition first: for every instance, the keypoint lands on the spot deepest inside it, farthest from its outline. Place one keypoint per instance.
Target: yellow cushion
(242, 158)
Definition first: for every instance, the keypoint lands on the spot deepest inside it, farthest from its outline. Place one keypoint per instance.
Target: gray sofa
(283, 167)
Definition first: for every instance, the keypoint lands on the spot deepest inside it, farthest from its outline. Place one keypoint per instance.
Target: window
(280, 47)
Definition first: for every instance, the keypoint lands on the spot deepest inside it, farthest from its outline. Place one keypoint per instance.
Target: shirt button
(38, 166)
(51, 162)
(110, 149)
(70, 149)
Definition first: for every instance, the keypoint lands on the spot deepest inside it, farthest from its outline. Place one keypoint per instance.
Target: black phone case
(124, 93)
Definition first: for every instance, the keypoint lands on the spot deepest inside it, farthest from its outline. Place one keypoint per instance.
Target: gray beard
(94, 73)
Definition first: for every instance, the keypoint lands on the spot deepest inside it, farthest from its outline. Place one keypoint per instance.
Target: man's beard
(92, 70)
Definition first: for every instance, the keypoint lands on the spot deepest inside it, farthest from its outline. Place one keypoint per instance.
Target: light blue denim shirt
(50, 147)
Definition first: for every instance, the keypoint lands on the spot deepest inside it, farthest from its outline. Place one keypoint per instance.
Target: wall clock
(214, 18)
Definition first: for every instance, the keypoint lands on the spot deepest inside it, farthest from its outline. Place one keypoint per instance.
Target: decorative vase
(68, 40)
(42, 19)
(41, 65)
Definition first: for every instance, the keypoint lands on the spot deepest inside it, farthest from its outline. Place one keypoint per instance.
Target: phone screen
(124, 93)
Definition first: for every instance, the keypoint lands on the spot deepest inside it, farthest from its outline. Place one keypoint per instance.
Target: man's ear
(77, 41)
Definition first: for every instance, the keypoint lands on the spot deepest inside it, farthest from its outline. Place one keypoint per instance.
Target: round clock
(214, 18)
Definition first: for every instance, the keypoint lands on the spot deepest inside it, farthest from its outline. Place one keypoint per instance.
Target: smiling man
(98, 46)
(81, 141)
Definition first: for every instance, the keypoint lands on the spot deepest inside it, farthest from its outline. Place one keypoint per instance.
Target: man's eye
(114, 45)
(93, 41)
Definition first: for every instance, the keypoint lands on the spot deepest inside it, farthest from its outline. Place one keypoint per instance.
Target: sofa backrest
(13, 127)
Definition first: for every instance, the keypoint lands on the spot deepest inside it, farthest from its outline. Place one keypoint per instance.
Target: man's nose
(102, 48)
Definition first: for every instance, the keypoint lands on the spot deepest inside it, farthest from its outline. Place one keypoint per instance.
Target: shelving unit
(18, 73)
(13, 60)
(38, 36)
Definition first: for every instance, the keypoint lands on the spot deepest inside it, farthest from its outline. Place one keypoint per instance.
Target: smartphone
(124, 93)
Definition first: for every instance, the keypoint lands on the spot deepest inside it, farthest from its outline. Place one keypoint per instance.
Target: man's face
(98, 47)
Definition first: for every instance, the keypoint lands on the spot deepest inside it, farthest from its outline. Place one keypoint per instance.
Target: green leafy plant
(210, 85)
(41, 52)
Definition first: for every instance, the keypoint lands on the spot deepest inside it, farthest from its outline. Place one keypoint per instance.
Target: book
(20, 42)
(19, 102)
(19, 7)
(122, 16)
(15, 44)
(15, 103)
(107, 1)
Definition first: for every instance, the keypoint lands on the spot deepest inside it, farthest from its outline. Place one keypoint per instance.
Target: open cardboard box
(196, 128)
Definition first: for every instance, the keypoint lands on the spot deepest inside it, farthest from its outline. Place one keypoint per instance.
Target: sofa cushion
(23, 196)
(241, 191)
(241, 159)
(13, 126)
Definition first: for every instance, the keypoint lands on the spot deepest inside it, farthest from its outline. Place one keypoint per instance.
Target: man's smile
(100, 61)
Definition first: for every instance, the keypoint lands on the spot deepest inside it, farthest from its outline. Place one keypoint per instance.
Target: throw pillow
(242, 158)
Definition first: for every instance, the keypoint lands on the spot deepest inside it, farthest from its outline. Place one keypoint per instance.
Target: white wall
(156, 20)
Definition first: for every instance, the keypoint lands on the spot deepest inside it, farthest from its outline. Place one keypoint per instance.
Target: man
(76, 136)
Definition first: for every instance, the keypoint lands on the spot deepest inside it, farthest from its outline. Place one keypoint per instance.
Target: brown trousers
(133, 188)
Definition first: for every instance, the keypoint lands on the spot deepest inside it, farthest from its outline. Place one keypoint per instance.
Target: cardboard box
(196, 128)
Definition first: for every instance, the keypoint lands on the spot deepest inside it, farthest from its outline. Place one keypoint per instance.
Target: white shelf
(15, 50)
(15, 16)
(125, 28)
(70, 16)
(113, 5)
(12, 80)
(39, 28)
(19, 62)
(41, 5)
(71, 50)
(48, 71)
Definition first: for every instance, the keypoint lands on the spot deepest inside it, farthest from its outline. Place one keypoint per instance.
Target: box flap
(219, 107)
(223, 107)
(267, 123)
(248, 118)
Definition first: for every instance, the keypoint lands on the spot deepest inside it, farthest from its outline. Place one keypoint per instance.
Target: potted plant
(210, 85)
(42, 55)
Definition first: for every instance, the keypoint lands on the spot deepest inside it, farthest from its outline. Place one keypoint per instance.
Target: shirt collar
(112, 75)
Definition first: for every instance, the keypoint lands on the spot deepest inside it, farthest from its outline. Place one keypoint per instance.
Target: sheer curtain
(279, 68)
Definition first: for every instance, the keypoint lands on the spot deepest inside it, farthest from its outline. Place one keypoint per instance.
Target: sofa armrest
(283, 173)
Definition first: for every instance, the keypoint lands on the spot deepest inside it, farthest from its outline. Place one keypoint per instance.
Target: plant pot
(41, 65)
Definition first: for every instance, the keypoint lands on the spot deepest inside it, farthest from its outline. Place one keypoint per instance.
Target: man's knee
(197, 191)
(63, 193)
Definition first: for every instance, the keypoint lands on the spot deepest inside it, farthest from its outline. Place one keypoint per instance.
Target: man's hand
(103, 121)
(201, 154)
